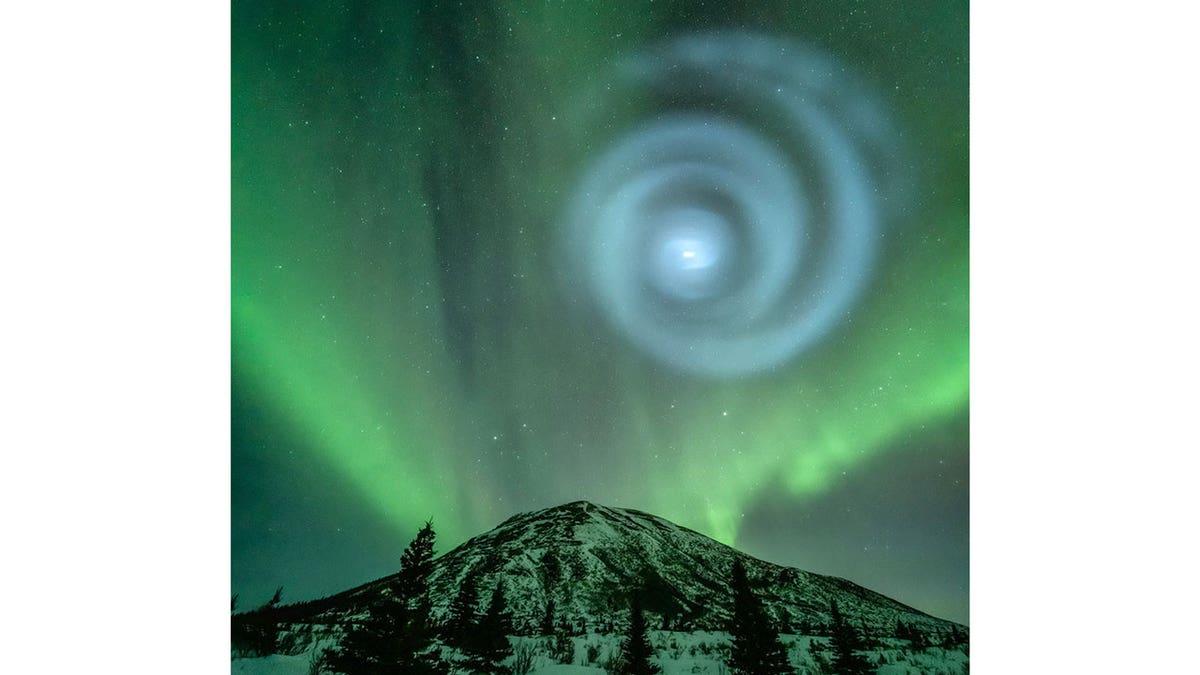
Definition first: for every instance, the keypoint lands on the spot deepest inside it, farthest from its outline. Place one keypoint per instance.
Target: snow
(678, 653)
(600, 549)
(275, 664)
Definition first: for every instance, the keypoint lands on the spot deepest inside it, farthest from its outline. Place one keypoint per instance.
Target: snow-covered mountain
(587, 557)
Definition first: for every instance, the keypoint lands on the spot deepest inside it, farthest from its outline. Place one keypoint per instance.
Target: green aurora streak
(338, 322)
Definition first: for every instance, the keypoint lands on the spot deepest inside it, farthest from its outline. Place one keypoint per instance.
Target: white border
(114, 263)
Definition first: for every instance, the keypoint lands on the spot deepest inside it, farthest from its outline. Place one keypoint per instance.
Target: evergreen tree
(419, 650)
(867, 639)
(372, 644)
(396, 634)
(636, 650)
(756, 646)
(846, 642)
(564, 647)
(415, 565)
(547, 627)
(463, 610)
(255, 633)
(551, 570)
(488, 645)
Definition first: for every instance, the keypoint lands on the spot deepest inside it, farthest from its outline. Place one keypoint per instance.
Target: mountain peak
(571, 570)
(585, 558)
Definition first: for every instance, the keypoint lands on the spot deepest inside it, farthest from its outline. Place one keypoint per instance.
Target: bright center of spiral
(690, 254)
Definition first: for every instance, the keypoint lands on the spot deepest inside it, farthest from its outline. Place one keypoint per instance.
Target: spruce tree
(564, 647)
(488, 645)
(416, 563)
(258, 631)
(846, 642)
(371, 643)
(463, 610)
(419, 653)
(636, 650)
(756, 647)
(551, 570)
(395, 636)
(547, 627)
(255, 633)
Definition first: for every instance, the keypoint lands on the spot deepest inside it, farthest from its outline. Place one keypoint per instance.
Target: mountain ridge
(585, 557)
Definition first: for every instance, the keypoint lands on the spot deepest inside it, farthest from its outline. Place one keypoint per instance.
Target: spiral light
(736, 223)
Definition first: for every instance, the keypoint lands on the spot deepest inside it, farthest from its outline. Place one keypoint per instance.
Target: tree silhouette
(463, 610)
(395, 635)
(547, 627)
(756, 647)
(564, 647)
(551, 570)
(488, 645)
(256, 633)
(846, 642)
(636, 650)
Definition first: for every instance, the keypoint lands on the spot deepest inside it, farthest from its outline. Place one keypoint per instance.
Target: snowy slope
(587, 557)
(677, 653)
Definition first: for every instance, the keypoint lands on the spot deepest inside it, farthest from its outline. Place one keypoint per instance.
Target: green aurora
(450, 374)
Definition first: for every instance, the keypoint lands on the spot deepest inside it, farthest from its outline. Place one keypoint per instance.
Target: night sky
(710, 264)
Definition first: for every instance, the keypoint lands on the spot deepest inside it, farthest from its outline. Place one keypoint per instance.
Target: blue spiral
(736, 224)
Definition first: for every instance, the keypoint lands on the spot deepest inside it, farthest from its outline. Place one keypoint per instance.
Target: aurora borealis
(415, 336)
